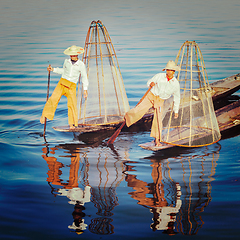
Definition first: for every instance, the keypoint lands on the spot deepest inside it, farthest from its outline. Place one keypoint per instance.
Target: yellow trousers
(68, 89)
(135, 114)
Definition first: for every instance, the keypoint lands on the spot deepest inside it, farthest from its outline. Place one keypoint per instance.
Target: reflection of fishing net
(101, 226)
(107, 102)
(197, 123)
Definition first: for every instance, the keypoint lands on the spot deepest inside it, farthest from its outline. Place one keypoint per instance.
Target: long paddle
(114, 136)
(45, 121)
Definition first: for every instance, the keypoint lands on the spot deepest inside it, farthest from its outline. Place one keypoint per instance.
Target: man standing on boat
(164, 85)
(71, 71)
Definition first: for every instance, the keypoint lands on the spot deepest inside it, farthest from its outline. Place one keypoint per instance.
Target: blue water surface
(125, 192)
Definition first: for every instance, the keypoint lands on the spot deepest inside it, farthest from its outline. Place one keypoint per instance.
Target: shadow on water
(175, 187)
(94, 138)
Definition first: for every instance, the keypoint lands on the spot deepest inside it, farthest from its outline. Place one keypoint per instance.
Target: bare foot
(42, 119)
(157, 143)
(72, 126)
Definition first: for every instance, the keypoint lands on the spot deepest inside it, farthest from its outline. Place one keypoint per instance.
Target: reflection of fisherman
(77, 197)
(78, 224)
(76, 194)
(164, 217)
(164, 85)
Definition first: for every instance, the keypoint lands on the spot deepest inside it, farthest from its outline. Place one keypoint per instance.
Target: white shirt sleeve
(58, 70)
(154, 79)
(72, 72)
(165, 89)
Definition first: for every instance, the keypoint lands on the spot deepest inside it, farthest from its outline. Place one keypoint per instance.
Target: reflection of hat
(74, 50)
(82, 226)
(171, 66)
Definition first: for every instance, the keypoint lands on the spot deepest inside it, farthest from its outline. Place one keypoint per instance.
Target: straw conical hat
(171, 66)
(73, 50)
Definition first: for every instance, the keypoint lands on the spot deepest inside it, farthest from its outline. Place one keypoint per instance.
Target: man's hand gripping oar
(115, 135)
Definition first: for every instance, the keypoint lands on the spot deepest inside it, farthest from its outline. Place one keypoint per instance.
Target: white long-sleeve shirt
(165, 89)
(71, 72)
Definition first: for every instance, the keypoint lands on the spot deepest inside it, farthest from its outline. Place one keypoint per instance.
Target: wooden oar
(45, 121)
(114, 136)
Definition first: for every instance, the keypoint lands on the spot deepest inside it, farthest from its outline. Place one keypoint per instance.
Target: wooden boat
(225, 87)
(219, 89)
(228, 117)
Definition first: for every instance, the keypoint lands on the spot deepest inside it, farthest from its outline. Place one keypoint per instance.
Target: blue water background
(145, 34)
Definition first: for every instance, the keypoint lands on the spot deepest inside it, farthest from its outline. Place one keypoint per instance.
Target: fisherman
(72, 69)
(164, 85)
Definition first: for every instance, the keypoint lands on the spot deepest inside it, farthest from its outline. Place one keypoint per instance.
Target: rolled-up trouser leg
(136, 113)
(156, 130)
(72, 105)
(51, 105)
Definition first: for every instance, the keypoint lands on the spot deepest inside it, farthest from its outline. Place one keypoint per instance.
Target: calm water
(125, 192)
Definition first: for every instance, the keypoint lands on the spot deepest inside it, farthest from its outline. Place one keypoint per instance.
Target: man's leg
(156, 130)
(51, 105)
(136, 113)
(72, 106)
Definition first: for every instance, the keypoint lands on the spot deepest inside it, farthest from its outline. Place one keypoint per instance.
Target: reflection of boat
(219, 89)
(198, 173)
(176, 190)
(92, 176)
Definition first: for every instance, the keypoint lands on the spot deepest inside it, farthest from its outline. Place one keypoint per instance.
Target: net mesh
(107, 101)
(196, 124)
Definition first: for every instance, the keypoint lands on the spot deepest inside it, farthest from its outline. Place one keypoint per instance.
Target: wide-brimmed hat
(74, 50)
(171, 66)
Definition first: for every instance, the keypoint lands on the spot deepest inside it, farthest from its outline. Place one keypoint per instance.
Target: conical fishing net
(197, 123)
(107, 101)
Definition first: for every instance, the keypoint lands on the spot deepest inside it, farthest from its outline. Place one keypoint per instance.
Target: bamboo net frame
(197, 124)
(107, 101)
